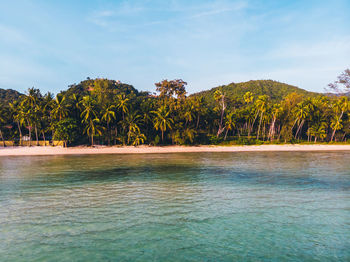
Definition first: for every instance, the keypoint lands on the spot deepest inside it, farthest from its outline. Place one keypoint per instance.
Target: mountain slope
(8, 95)
(275, 90)
(101, 84)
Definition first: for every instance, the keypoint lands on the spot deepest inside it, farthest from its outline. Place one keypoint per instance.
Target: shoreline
(80, 150)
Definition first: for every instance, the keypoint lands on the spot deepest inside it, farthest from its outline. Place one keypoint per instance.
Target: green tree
(90, 119)
(66, 130)
(162, 120)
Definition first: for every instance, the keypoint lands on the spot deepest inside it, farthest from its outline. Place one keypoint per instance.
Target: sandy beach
(37, 151)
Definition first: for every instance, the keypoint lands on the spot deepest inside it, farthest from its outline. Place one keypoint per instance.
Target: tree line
(106, 112)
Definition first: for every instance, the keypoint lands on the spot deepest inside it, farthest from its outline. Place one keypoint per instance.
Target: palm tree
(90, 119)
(32, 111)
(229, 123)
(261, 105)
(131, 123)
(318, 130)
(276, 111)
(2, 120)
(220, 98)
(60, 109)
(340, 107)
(301, 112)
(139, 138)
(162, 120)
(123, 103)
(15, 111)
(108, 115)
(92, 128)
(248, 97)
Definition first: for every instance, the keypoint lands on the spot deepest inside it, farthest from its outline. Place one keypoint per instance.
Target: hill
(275, 90)
(8, 95)
(104, 85)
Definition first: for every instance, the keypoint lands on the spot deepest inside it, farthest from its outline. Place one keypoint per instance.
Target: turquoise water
(176, 207)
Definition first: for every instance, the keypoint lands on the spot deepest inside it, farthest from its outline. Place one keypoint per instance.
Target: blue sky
(52, 44)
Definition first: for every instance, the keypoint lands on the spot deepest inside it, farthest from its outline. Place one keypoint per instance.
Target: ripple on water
(176, 207)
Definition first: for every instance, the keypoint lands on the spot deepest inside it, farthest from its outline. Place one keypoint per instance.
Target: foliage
(66, 130)
(108, 112)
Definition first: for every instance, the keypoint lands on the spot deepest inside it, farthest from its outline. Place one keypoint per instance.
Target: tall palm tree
(2, 120)
(162, 120)
(30, 103)
(220, 98)
(60, 108)
(276, 111)
(230, 123)
(131, 123)
(341, 106)
(90, 119)
(15, 111)
(261, 105)
(108, 115)
(301, 113)
(123, 103)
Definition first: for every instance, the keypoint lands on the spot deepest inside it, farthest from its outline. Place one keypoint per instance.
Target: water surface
(176, 207)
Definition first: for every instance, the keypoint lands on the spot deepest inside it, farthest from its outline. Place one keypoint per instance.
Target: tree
(229, 123)
(16, 111)
(90, 119)
(340, 107)
(108, 115)
(138, 138)
(248, 97)
(220, 99)
(60, 109)
(123, 102)
(261, 105)
(342, 84)
(131, 123)
(162, 120)
(66, 130)
(168, 89)
(2, 121)
(30, 105)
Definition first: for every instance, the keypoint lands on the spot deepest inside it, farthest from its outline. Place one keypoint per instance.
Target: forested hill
(275, 90)
(99, 85)
(8, 95)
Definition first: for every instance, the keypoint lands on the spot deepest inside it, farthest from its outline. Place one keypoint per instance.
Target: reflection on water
(176, 207)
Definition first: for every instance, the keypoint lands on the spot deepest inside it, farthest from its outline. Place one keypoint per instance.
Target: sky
(52, 44)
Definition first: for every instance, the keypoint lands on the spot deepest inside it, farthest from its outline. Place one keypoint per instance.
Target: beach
(80, 150)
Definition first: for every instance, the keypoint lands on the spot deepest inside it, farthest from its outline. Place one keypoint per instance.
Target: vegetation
(107, 112)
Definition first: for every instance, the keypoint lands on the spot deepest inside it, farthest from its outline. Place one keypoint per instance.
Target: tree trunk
(43, 133)
(30, 134)
(343, 137)
(36, 135)
(272, 129)
(252, 126)
(300, 126)
(109, 134)
(257, 137)
(333, 134)
(226, 134)
(20, 133)
(2, 138)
